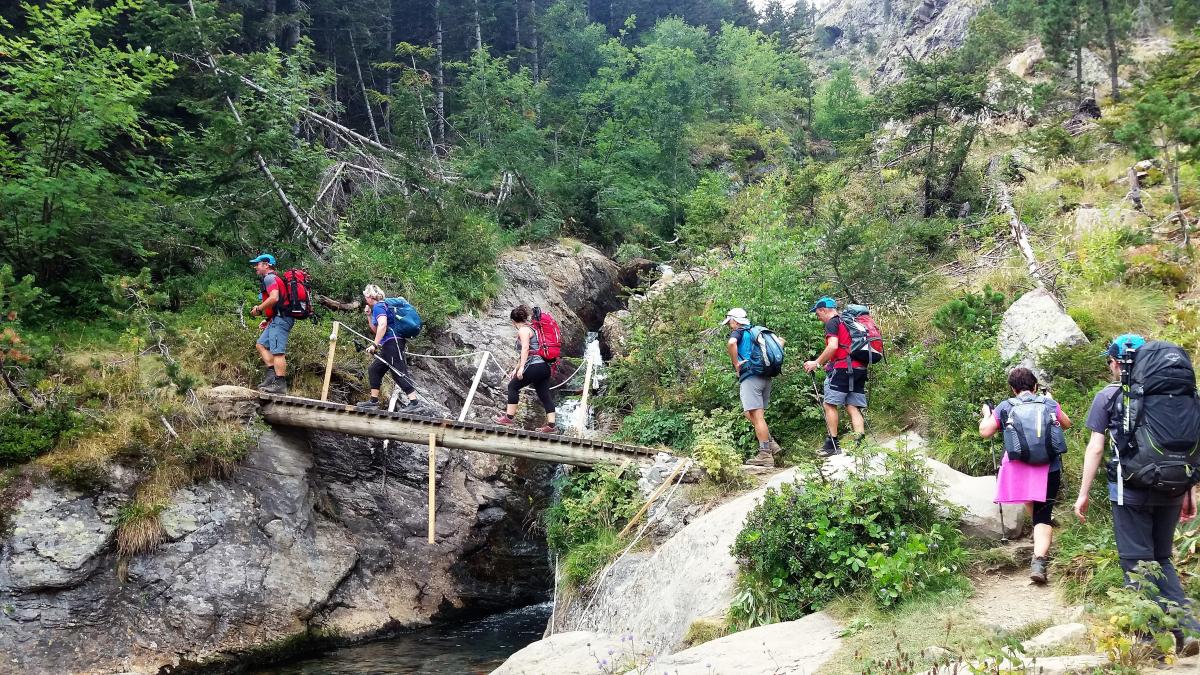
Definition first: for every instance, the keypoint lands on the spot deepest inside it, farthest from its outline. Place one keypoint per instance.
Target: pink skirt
(1019, 482)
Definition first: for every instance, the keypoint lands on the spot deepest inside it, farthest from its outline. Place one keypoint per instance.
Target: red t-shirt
(835, 329)
(270, 282)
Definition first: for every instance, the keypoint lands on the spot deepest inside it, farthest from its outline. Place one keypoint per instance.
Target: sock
(374, 399)
(764, 445)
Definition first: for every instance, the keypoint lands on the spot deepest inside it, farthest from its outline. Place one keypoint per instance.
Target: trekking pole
(996, 470)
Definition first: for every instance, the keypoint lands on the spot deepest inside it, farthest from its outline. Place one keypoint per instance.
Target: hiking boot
(277, 386)
(1186, 647)
(831, 447)
(504, 420)
(268, 378)
(763, 458)
(1038, 570)
(547, 429)
(367, 405)
(774, 447)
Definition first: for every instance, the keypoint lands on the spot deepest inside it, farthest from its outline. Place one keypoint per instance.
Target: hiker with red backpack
(852, 342)
(538, 348)
(1031, 470)
(1150, 421)
(393, 321)
(275, 327)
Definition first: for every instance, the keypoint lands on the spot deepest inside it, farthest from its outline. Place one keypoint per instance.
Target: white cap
(737, 314)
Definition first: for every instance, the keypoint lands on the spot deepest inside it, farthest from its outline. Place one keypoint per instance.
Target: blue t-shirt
(1103, 418)
(380, 309)
(1005, 407)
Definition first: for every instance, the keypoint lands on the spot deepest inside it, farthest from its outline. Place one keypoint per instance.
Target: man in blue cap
(1144, 520)
(841, 389)
(272, 344)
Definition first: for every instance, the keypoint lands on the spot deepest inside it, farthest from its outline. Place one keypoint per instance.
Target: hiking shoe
(831, 447)
(367, 405)
(268, 378)
(504, 420)
(1187, 646)
(1038, 571)
(774, 447)
(547, 429)
(277, 386)
(763, 458)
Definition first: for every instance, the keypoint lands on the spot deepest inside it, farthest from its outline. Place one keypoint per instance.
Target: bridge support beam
(447, 433)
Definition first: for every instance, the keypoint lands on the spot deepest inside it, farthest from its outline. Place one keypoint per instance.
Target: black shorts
(1042, 511)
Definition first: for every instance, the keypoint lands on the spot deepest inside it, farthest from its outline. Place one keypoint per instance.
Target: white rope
(649, 519)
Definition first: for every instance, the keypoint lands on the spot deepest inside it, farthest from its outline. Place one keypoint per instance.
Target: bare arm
(270, 302)
(831, 346)
(731, 347)
(1092, 457)
(523, 335)
(988, 426)
(1063, 420)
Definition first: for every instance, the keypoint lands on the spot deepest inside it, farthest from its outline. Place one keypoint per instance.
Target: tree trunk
(533, 41)
(1079, 68)
(517, 31)
(291, 29)
(478, 29)
(363, 87)
(1110, 38)
(1173, 174)
(439, 80)
(1020, 233)
(269, 19)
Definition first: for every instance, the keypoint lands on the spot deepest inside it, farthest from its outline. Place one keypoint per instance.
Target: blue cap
(265, 257)
(1116, 348)
(826, 302)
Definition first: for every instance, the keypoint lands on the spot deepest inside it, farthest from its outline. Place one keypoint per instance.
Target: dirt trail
(1008, 600)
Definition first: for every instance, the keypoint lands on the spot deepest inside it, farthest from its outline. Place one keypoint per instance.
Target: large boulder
(1035, 324)
(574, 653)
(614, 335)
(656, 596)
(800, 646)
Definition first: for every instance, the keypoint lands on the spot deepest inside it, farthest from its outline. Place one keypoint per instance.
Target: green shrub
(24, 436)
(649, 425)
(971, 313)
(714, 447)
(581, 525)
(881, 529)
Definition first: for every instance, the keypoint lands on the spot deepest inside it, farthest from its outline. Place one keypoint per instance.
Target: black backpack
(1159, 411)
(1032, 433)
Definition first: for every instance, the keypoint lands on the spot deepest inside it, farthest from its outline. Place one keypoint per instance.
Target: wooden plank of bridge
(432, 481)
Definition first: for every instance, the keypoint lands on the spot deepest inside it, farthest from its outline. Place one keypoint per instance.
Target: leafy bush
(582, 524)
(648, 425)
(1135, 615)
(24, 436)
(881, 529)
(714, 447)
(971, 313)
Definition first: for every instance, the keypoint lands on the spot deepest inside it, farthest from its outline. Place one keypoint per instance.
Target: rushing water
(467, 648)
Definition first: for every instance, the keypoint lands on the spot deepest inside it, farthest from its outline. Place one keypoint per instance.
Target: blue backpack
(765, 353)
(403, 318)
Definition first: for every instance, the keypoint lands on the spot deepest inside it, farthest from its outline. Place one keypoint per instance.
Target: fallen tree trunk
(1020, 233)
(338, 305)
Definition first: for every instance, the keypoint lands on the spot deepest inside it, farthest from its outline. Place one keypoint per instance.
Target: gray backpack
(1032, 433)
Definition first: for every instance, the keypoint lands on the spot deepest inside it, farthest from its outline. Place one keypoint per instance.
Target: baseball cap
(737, 314)
(1116, 348)
(826, 302)
(265, 257)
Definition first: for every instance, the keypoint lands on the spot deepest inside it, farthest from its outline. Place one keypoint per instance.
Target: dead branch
(338, 305)
(12, 387)
(1020, 233)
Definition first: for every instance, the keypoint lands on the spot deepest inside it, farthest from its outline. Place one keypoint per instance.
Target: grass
(705, 630)
(584, 560)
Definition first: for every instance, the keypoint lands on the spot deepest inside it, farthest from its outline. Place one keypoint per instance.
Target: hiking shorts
(755, 393)
(838, 389)
(275, 337)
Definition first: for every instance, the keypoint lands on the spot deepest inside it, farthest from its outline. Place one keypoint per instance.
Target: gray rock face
(800, 646)
(312, 532)
(885, 32)
(1035, 324)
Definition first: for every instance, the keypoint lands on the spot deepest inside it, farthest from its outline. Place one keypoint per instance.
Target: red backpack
(549, 338)
(297, 299)
(864, 343)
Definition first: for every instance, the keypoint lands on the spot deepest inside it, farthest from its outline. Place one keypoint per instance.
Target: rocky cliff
(883, 33)
(314, 534)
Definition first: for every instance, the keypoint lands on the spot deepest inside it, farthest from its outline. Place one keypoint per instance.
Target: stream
(476, 646)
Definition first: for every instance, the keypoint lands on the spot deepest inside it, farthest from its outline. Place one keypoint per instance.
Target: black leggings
(392, 351)
(537, 375)
(1042, 511)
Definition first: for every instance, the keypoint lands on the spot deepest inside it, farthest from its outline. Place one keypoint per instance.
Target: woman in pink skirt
(1035, 486)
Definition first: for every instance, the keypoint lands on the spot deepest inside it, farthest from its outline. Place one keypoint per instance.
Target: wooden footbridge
(408, 428)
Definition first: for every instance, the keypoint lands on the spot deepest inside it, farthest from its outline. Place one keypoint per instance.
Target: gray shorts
(755, 393)
(843, 398)
(275, 337)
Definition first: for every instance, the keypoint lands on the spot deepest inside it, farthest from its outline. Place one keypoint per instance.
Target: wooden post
(329, 361)
(462, 415)
(587, 388)
(432, 480)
